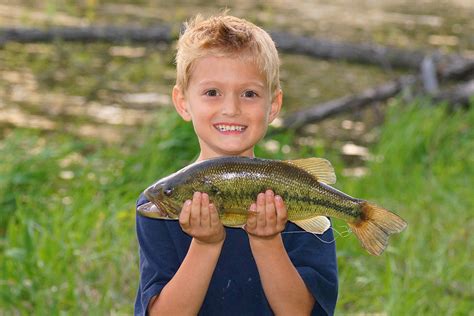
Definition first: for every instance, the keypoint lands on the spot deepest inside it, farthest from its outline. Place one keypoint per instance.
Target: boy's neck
(205, 156)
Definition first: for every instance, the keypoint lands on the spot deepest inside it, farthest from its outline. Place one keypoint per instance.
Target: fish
(234, 182)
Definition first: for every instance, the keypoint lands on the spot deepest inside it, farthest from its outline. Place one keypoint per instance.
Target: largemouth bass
(233, 184)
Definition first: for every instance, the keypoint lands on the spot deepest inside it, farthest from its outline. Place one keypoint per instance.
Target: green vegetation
(67, 237)
(423, 170)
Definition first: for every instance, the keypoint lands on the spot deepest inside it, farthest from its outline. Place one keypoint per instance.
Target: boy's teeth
(225, 128)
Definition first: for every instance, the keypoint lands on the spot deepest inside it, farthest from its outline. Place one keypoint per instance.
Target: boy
(228, 87)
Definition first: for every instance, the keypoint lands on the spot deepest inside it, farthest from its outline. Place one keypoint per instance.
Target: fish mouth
(150, 209)
(230, 127)
(156, 210)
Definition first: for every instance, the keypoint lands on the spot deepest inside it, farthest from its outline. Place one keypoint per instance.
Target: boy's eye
(250, 94)
(212, 93)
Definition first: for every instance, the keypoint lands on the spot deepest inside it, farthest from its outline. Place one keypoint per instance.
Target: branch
(348, 103)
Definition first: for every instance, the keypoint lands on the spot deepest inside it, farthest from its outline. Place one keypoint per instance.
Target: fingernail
(188, 202)
(278, 198)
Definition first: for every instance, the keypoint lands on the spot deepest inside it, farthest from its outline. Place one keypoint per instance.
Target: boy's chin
(229, 151)
(235, 153)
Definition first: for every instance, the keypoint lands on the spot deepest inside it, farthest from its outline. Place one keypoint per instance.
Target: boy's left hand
(267, 217)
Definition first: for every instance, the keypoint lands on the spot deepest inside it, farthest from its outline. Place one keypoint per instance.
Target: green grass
(67, 236)
(424, 170)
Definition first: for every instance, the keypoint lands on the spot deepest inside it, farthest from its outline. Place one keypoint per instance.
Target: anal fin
(317, 225)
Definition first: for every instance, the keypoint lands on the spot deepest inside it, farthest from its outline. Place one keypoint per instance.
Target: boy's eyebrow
(246, 83)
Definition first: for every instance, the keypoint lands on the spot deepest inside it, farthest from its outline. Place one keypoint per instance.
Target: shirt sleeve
(314, 257)
(158, 258)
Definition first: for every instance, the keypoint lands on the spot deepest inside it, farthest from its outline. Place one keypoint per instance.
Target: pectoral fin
(320, 168)
(317, 225)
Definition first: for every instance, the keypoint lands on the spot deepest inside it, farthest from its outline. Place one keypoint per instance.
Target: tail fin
(375, 226)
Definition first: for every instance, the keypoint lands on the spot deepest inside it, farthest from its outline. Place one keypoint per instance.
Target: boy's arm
(185, 292)
(284, 288)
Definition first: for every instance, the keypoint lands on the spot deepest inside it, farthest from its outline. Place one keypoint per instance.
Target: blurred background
(85, 126)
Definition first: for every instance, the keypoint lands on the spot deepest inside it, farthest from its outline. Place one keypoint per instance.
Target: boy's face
(230, 105)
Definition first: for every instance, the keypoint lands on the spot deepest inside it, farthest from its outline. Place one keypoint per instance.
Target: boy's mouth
(230, 128)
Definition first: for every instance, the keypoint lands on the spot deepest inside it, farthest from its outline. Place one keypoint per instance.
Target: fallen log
(114, 34)
(459, 69)
(459, 95)
(360, 53)
(322, 111)
(450, 66)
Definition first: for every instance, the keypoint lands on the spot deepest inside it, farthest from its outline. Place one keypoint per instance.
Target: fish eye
(168, 191)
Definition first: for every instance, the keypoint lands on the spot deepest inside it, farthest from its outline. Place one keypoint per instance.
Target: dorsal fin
(318, 167)
(317, 225)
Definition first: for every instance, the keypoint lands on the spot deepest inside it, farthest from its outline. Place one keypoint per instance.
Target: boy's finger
(213, 215)
(270, 216)
(261, 221)
(196, 210)
(281, 212)
(252, 217)
(185, 214)
(205, 217)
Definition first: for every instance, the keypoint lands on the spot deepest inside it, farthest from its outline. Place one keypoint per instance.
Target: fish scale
(233, 184)
(299, 191)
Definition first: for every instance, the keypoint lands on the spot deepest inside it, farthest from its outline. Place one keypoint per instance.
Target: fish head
(168, 203)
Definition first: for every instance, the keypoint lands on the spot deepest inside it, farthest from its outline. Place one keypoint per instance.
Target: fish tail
(375, 226)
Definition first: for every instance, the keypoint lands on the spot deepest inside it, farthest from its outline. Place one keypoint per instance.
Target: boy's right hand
(200, 220)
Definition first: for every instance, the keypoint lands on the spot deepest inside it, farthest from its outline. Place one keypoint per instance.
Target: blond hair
(226, 36)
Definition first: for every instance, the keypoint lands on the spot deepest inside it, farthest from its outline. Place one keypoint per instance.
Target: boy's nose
(230, 106)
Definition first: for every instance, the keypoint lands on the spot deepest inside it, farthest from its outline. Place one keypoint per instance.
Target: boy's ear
(179, 102)
(276, 106)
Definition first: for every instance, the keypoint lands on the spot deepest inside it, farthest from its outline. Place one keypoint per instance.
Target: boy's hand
(267, 217)
(200, 220)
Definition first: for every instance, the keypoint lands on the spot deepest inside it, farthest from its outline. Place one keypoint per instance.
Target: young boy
(228, 87)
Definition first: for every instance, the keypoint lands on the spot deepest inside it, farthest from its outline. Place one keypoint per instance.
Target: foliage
(67, 238)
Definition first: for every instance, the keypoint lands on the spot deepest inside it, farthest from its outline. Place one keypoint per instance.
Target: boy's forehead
(242, 81)
(209, 69)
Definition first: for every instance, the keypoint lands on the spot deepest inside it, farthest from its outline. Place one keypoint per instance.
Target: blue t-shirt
(235, 287)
